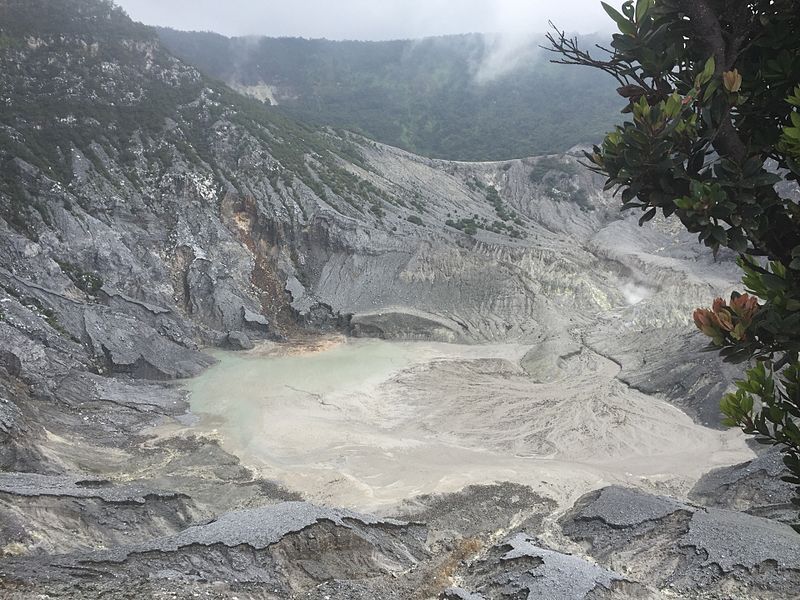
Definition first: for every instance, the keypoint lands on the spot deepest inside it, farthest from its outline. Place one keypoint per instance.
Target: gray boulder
(255, 320)
(521, 568)
(754, 486)
(677, 546)
(238, 340)
(129, 346)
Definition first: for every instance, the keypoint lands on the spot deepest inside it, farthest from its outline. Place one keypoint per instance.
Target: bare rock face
(754, 487)
(10, 363)
(405, 324)
(288, 547)
(16, 434)
(677, 546)
(648, 360)
(40, 512)
(128, 346)
(238, 340)
(477, 512)
(519, 568)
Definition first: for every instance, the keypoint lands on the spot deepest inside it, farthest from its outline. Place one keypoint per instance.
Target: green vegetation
(578, 195)
(22, 18)
(547, 165)
(554, 173)
(468, 226)
(494, 199)
(425, 95)
(65, 110)
(713, 92)
(35, 305)
(89, 282)
(471, 225)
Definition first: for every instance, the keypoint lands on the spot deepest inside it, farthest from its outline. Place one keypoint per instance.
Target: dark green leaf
(647, 216)
(614, 13)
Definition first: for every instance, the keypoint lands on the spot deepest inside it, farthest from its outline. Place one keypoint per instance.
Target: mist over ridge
(460, 97)
(366, 20)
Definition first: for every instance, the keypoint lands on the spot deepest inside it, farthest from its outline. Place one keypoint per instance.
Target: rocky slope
(146, 212)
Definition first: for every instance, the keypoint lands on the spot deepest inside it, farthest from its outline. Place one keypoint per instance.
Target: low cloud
(505, 52)
(368, 19)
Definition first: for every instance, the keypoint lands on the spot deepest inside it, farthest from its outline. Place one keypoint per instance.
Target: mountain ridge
(463, 97)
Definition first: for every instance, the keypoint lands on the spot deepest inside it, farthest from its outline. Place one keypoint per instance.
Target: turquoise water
(368, 423)
(255, 397)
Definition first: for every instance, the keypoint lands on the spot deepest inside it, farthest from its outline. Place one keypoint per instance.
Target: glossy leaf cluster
(713, 93)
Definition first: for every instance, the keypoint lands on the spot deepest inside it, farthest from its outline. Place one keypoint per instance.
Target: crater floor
(368, 423)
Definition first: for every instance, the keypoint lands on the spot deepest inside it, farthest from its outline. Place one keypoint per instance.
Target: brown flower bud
(732, 80)
(727, 322)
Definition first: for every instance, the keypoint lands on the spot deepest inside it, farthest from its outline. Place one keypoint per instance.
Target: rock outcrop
(691, 550)
(519, 568)
(755, 487)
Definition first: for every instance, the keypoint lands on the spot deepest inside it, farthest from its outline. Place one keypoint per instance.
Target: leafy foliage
(712, 91)
(89, 282)
(468, 226)
(427, 96)
(546, 165)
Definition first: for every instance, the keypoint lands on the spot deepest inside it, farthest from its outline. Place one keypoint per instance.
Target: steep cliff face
(130, 180)
(146, 211)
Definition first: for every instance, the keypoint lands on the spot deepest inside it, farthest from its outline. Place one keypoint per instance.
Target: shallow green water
(254, 394)
(369, 423)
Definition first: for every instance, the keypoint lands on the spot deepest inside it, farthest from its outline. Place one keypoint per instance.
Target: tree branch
(573, 55)
(709, 32)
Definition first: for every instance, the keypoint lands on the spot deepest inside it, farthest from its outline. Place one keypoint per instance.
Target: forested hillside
(465, 97)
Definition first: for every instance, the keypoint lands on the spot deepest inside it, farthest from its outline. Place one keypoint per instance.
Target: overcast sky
(369, 19)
